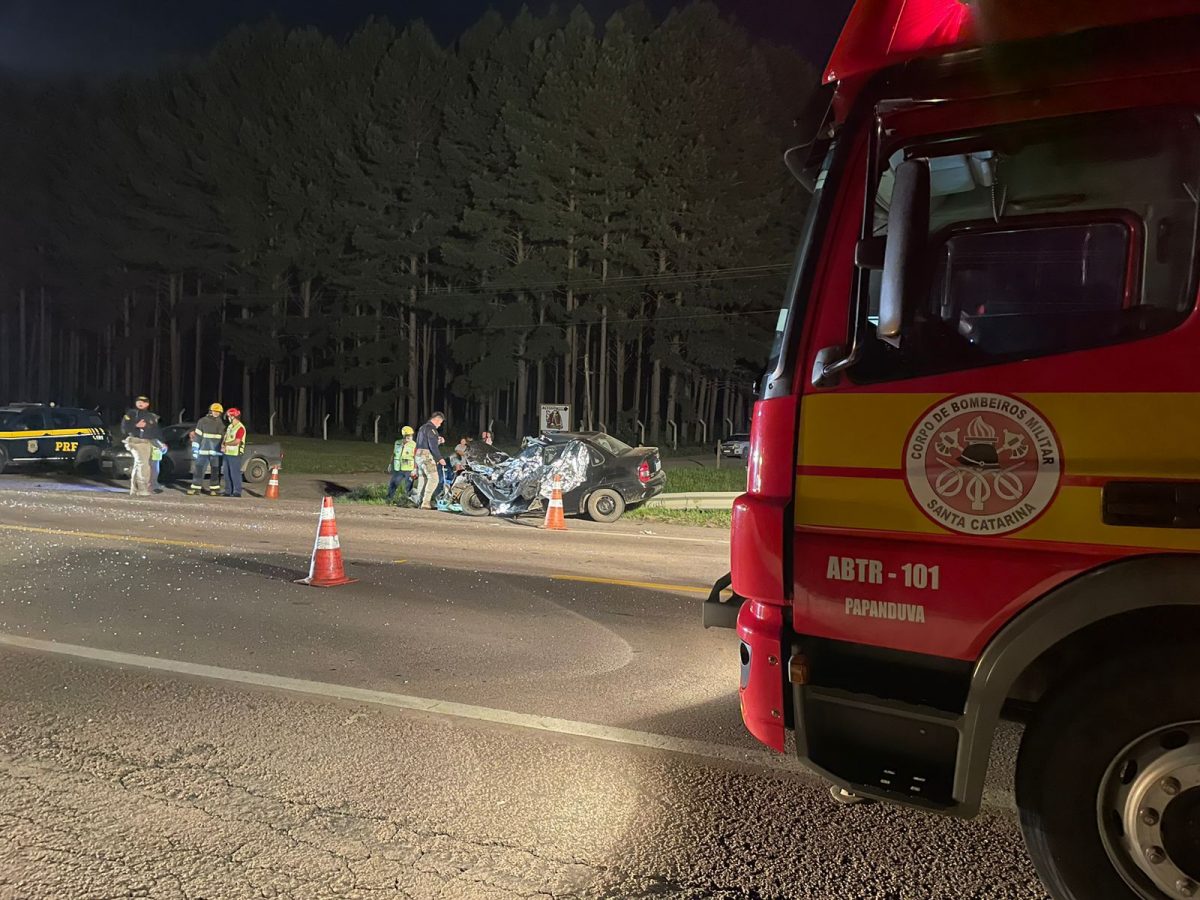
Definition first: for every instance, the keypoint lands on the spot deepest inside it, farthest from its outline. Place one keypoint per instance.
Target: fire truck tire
(1080, 746)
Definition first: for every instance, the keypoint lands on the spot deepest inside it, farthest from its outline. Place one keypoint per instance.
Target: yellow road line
(648, 585)
(100, 535)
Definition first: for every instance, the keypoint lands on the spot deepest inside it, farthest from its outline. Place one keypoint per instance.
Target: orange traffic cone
(555, 520)
(326, 569)
(273, 485)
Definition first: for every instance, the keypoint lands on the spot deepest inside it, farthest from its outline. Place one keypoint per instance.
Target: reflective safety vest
(235, 439)
(207, 430)
(403, 453)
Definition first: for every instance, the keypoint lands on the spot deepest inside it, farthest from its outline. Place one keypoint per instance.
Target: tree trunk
(655, 400)
(413, 414)
(273, 367)
(246, 386)
(43, 347)
(22, 348)
(175, 289)
(587, 378)
(603, 362)
(221, 360)
(522, 398)
(302, 392)
(672, 399)
(541, 363)
(618, 375)
(198, 357)
(128, 355)
(155, 359)
(5, 356)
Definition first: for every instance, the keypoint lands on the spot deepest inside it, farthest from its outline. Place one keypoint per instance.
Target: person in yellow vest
(404, 452)
(233, 445)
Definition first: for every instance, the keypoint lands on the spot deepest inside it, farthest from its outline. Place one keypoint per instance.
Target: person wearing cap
(403, 463)
(141, 429)
(207, 436)
(428, 457)
(233, 447)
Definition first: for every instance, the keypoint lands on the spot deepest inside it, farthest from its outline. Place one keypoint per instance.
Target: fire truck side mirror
(907, 235)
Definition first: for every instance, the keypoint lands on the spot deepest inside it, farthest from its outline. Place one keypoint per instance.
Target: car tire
(1087, 744)
(3, 460)
(256, 471)
(605, 505)
(472, 504)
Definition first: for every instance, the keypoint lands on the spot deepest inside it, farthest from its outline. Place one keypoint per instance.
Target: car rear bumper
(116, 468)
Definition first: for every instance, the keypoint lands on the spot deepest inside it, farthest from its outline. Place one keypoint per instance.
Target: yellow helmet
(407, 429)
(216, 408)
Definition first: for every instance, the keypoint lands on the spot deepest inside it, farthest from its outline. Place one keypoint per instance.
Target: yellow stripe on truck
(883, 504)
(54, 432)
(1115, 435)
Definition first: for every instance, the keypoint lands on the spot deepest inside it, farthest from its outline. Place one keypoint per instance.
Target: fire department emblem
(982, 464)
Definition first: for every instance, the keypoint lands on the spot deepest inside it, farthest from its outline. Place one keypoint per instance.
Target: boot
(193, 491)
(213, 490)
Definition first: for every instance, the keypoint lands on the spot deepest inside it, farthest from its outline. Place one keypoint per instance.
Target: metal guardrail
(695, 500)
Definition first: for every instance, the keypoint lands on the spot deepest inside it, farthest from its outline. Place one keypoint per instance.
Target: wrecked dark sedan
(601, 477)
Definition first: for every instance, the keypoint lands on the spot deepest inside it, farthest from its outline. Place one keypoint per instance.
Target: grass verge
(705, 518)
(313, 456)
(369, 495)
(686, 479)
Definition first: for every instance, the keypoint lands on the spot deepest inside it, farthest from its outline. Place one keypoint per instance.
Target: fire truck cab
(974, 475)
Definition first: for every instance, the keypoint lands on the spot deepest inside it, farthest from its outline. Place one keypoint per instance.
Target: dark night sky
(52, 37)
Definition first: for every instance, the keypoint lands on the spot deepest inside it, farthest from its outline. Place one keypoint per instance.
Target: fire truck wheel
(1108, 779)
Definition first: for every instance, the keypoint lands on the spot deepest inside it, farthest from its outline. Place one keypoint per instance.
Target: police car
(37, 432)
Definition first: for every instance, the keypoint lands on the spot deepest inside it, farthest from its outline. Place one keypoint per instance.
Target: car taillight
(644, 471)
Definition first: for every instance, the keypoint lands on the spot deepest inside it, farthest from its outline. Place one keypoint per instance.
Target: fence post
(325, 427)
(703, 431)
(729, 425)
(642, 427)
(674, 434)
(377, 429)
(271, 424)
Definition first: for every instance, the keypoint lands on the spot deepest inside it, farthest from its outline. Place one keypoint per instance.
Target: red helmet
(233, 412)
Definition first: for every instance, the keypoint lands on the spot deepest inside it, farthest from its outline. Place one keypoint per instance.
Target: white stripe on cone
(328, 543)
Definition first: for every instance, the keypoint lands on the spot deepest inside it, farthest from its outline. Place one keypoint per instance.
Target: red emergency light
(879, 33)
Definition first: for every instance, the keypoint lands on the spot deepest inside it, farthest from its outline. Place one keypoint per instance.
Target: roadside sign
(555, 417)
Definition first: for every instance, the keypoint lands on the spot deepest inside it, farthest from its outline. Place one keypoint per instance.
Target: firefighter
(141, 429)
(404, 453)
(208, 434)
(233, 446)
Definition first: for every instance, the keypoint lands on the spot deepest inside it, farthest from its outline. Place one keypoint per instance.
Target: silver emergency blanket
(512, 483)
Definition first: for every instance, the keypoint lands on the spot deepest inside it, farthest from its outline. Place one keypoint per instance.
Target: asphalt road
(179, 720)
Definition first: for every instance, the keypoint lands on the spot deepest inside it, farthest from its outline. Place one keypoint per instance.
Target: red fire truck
(974, 477)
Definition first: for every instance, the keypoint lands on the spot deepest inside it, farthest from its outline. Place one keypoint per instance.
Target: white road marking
(704, 749)
(1000, 801)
